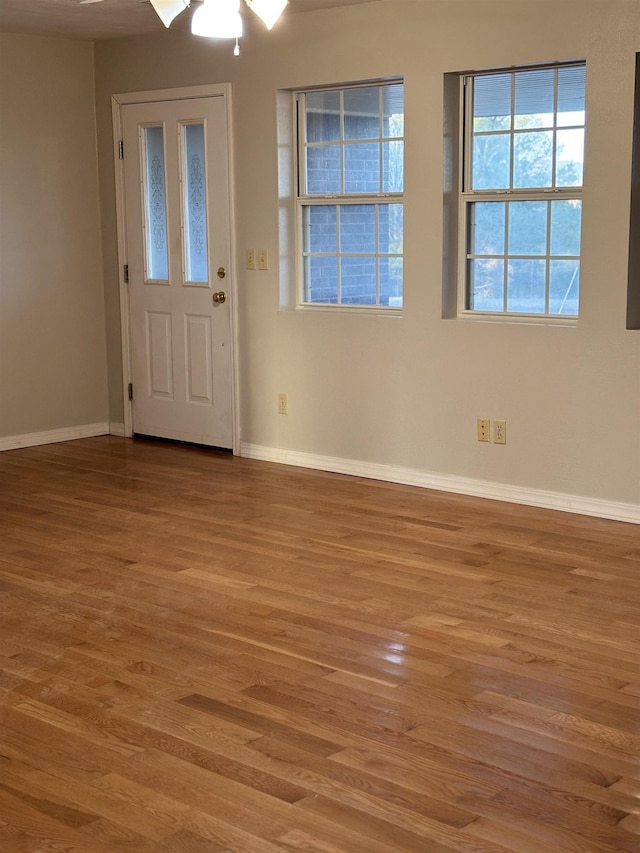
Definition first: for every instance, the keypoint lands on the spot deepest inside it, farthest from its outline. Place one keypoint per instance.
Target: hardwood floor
(203, 653)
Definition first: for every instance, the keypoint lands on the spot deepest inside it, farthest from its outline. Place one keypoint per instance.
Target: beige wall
(406, 392)
(52, 326)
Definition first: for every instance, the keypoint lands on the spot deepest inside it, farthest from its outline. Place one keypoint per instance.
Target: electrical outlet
(484, 428)
(251, 259)
(263, 259)
(499, 432)
(283, 404)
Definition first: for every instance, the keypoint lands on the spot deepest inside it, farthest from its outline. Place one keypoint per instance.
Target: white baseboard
(390, 473)
(32, 439)
(445, 483)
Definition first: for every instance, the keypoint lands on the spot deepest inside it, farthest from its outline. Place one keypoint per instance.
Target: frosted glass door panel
(195, 204)
(157, 257)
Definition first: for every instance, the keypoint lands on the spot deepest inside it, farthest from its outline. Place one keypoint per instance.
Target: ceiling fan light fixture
(218, 19)
(268, 10)
(167, 10)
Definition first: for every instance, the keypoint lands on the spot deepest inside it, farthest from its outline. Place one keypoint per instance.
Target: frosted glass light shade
(169, 9)
(218, 19)
(268, 10)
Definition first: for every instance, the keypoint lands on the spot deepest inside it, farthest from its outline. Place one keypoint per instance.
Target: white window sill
(364, 310)
(518, 319)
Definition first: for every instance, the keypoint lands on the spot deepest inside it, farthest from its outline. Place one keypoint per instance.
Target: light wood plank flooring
(200, 654)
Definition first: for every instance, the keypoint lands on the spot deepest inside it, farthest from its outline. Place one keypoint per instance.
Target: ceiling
(107, 19)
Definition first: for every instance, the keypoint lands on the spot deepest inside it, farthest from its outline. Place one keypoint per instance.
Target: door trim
(117, 102)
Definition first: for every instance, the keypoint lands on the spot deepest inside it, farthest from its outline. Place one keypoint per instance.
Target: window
(521, 201)
(350, 205)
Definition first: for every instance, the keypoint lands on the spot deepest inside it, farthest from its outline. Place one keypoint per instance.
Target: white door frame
(117, 102)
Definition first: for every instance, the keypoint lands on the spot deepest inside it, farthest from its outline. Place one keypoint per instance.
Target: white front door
(176, 180)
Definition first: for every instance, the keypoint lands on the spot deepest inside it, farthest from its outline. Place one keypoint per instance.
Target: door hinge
(130, 391)
(121, 149)
(126, 273)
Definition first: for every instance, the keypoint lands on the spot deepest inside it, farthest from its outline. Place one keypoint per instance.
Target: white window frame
(468, 197)
(304, 200)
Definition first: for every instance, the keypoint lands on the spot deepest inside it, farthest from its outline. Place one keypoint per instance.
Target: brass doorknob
(219, 297)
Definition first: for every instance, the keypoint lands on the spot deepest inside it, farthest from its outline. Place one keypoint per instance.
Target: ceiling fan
(214, 18)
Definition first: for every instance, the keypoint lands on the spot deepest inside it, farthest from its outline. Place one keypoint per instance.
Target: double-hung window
(521, 200)
(349, 201)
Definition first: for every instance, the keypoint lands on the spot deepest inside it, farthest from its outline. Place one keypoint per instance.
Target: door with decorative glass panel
(178, 253)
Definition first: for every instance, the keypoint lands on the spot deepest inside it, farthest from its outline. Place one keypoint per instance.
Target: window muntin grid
(522, 187)
(350, 177)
